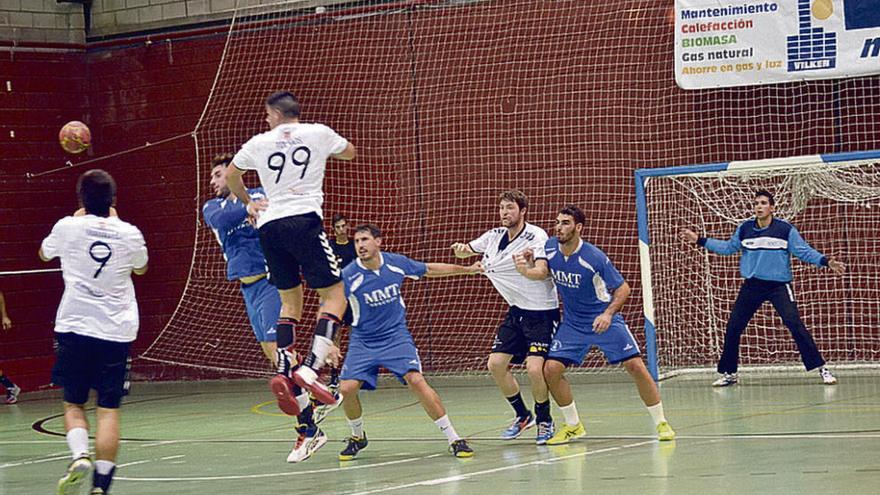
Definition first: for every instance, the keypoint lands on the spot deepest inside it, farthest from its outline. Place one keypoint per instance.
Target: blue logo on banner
(861, 14)
(812, 48)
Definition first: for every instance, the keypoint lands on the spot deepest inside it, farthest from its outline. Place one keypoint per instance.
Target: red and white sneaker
(281, 388)
(306, 378)
(309, 441)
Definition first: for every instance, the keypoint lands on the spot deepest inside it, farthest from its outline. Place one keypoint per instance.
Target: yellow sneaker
(567, 433)
(665, 432)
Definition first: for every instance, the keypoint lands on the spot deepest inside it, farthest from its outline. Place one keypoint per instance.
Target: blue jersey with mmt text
(374, 296)
(239, 240)
(585, 281)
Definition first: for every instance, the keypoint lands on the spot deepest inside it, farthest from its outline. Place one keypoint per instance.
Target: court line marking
(135, 463)
(39, 460)
(272, 475)
(729, 436)
(461, 477)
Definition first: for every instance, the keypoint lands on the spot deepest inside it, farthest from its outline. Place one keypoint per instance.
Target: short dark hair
(285, 102)
(96, 190)
(369, 227)
(766, 194)
(515, 196)
(339, 216)
(574, 212)
(222, 159)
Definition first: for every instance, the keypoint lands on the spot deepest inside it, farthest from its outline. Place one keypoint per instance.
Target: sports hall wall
(563, 101)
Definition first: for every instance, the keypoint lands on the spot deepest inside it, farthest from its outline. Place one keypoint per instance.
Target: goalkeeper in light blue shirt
(240, 241)
(767, 244)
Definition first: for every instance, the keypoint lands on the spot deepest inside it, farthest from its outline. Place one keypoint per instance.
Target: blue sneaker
(545, 432)
(518, 426)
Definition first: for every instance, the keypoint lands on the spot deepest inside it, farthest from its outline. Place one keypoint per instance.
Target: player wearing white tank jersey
(290, 160)
(96, 322)
(525, 333)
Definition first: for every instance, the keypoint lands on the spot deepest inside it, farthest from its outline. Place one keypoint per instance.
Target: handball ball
(75, 137)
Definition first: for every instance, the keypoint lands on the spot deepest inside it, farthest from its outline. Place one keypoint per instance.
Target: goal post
(687, 292)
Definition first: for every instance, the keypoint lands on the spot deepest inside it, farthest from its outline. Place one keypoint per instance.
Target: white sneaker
(12, 394)
(309, 441)
(323, 410)
(827, 377)
(726, 380)
(77, 472)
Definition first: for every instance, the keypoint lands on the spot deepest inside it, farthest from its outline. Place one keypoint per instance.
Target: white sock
(657, 413)
(446, 427)
(570, 413)
(320, 348)
(357, 426)
(78, 441)
(103, 467)
(302, 400)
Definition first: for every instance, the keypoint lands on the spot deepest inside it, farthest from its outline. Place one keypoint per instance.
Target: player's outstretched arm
(349, 153)
(462, 250)
(836, 266)
(437, 270)
(688, 236)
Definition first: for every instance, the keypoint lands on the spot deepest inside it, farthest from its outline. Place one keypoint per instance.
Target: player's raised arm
(529, 267)
(349, 153)
(463, 250)
(437, 270)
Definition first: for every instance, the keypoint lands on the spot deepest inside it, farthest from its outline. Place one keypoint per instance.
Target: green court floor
(787, 435)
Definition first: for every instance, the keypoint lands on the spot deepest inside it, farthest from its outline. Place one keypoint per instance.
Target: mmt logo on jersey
(814, 47)
(572, 280)
(379, 297)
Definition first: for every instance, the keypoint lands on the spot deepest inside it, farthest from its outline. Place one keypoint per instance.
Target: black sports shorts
(526, 333)
(296, 243)
(84, 363)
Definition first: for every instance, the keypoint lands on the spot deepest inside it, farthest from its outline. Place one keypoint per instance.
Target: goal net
(688, 292)
(451, 102)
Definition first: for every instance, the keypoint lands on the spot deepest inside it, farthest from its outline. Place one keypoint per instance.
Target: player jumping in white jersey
(290, 160)
(525, 333)
(96, 322)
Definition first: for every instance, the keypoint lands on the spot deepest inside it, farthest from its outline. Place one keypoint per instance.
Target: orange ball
(75, 137)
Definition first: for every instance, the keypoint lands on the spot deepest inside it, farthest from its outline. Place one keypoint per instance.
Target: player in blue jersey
(380, 336)
(592, 292)
(240, 241)
(767, 244)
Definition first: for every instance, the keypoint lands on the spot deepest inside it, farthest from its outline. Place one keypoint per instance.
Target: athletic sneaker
(77, 472)
(461, 449)
(827, 377)
(12, 394)
(726, 380)
(281, 388)
(518, 426)
(322, 410)
(306, 378)
(97, 491)
(665, 432)
(355, 445)
(310, 440)
(567, 433)
(545, 432)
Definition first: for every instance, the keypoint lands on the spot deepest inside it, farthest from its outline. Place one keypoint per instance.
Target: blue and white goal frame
(643, 175)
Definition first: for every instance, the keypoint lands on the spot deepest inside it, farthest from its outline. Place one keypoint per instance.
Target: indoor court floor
(776, 434)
